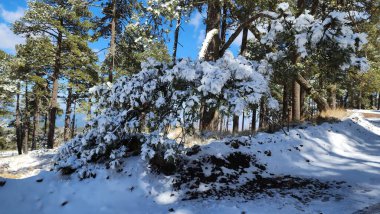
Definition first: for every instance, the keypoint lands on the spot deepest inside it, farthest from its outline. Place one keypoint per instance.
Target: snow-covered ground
(347, 151)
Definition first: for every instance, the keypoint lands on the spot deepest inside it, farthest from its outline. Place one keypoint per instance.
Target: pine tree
(66, 23)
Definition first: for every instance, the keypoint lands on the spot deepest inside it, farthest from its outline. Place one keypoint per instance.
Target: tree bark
(53, 100)
(303, 103)
(213, 22)
(113, 41)
(296, 104)
(36, 120)
(242, 122)
(332, 96)
(66, 131)
(360, 100)
(235, 124)
(285, 103)
(18, 121)
(74, 119)
(26, 122)
(209, 119)
(321, 102)
(263, 121)
(378, 100)
(253, 127)
(314, 7)
(224, 24)
(176, 35)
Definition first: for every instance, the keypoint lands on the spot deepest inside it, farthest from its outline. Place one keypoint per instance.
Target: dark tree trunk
(213, 22)
(235, 124)
(176, 35)
(25, 145)
(18, 121)
(263, 121)
(360, 100)
(296, 105)
(285, 103)
(36, 120)
(321, 102)
(378, 100)
(113, 41)
(242, 122)
(303, 103)
(227, 122)
(254, 119)
(332, 96)
(66, 131)
(224, 24)
(73, 121)
(45, 124)
(314, 7)
(53, 101)
(244, 40)
(301, 5)
(209, 119)
(221, 123)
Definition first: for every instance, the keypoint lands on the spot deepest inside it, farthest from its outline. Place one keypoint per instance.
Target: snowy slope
(347, 151)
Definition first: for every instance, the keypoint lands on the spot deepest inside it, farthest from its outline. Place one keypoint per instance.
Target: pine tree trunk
(332, 96)
(296, 111)
(73, 121)
(360, 99)
(242, 122)
(235, 124)
(45, 124)
(314, 7)
(53, 101)
(113, 41)
(26, 122)
(66, 131)
(209, 119)
(378, 100)
(285, 103)
(18, 121)
(176, 35)
(224, 24)
(36, 120)
(321, 102)
(253, 127)
(303, 103)
(262, 114)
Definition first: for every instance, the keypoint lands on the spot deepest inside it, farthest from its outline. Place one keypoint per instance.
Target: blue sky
(191, 34)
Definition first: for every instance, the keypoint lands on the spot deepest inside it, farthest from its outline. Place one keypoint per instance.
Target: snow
(283, 6)
(206, 43)
(345, 151)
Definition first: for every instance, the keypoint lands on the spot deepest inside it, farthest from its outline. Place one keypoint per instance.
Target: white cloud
(8, 39)
(196, 20)
(201, 37)
(11, 16)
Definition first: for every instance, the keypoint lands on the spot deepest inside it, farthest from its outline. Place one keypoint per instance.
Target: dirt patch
(371, 115)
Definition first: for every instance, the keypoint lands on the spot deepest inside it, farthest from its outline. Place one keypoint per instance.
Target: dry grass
(338, 113)
(371, 115)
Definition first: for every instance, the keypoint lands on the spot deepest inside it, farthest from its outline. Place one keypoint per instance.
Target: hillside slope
(345, 153)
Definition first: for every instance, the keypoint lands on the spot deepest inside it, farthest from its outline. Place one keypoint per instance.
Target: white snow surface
(345, 151)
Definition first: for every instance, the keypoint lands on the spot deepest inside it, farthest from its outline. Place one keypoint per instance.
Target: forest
(275, 109)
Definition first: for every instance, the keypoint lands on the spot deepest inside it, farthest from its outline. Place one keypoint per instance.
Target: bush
(161, 97)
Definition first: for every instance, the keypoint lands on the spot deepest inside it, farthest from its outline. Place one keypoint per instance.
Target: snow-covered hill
(345, 153)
